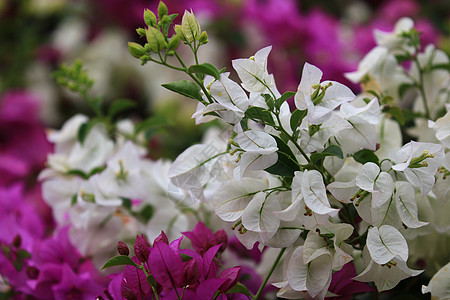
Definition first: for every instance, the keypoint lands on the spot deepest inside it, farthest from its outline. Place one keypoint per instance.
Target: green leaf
(397, 113)
(403, 88)
(269, 101)
(78, 173)
(119, 260)
(119, 106)
(126, 203)
(259, 113)
(152, 123)
(239, 288)
(283, 98)
(286, 164)
(332, 150)
(84, 129)
(21, 255)
(205, 68)
(168, 20)
(185, 257)
(364, 156)
(185, 88)
(296, 118)
(155, 39)
(441, 66)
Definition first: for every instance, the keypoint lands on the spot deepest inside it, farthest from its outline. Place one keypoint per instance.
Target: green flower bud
(190, 27)
(135, 49)
(174, 42)
(149, 18)
(162, 10)
(140, 31)
(179, 32)
(155, 39)
(203, 39)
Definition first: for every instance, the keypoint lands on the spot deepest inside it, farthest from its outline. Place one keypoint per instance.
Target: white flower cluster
(292, 179)
(107, 190)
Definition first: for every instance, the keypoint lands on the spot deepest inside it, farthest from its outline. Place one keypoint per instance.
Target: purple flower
(343, 285)
(202, 238)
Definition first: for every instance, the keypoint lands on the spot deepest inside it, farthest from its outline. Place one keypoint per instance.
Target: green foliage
(332, 150)
(287, 163)
(186, 88)
(120, 260)
(296, 118)
(119, 106)
(283, 98)
(261, 114)
(364, 156)
(205, 68)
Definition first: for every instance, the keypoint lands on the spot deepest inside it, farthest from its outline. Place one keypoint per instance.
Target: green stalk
(256, 297)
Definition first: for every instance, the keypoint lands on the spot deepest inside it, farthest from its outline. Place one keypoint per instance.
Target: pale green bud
(140, 31)
(190, 27)
(149, 18)
(162, 10)
(174, 42)
(155, 39)
(179, 32)
(203, 39)
(135, 49)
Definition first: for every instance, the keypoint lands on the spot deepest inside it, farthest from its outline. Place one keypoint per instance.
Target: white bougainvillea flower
(419, 162)
(192, 168)
(256, 141)
(229, 94)
(439, 285)
(363, 120)
(442, 128)
(233, 197)
(314, 193)
(405, 202)
(385, 276)
(309, 90)
(66, 137)
(93, 153)
(331, 127)
(313, 277)
(385, 243)
(379, 184)
(253, 71)
(203, 114)
(258, 215)
(393, 40)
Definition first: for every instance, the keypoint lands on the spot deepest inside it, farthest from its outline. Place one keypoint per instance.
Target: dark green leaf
(364, 156)
(441, 66)
(152, 123)
(185, 88)
(84, 129)
(205, 68)
(119, 260)
(239, 288)
(168, 21)
(78, 173)
(21, 254)
(397, 113)
(126, 203)
(259, 113)
(403, 88)
(286, 164)
(151, 280)
(332, 150)
(269, 101)
(119, 106)
(296, 118)
(185, 257)
(283, 98)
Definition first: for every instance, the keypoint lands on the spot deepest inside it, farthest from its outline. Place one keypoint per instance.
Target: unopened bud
(122, 248)
(140, 31)
(155, 39)
(17, 241)
(191, 272)
(190, 27)
(162, 10)
(179, 31)
(203, 39)
(136, 50)
(174, 42)
(149, 18)
(32, 272)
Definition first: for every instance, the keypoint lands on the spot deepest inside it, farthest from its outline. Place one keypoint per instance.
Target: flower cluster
(320, 181)
(165, 271)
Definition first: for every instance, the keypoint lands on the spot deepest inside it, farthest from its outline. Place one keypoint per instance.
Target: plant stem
(270, 273)
(421, 89)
